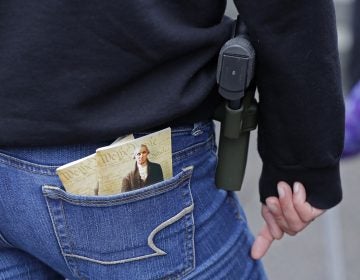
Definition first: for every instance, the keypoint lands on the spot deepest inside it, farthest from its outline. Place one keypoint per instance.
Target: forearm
(301, 114)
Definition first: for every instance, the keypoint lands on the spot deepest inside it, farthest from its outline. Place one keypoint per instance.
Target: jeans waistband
(58, 155)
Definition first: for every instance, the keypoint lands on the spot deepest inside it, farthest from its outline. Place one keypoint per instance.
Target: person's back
(76, 75)
(75, 71)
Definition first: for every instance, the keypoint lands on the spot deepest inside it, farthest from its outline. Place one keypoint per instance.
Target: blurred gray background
(328, 248)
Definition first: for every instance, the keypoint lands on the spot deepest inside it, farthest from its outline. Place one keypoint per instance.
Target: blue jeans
(181, 228)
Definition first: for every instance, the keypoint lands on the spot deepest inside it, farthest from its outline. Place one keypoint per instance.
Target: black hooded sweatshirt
(74, 71)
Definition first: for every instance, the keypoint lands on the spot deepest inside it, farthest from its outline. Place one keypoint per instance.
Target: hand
(290, 213)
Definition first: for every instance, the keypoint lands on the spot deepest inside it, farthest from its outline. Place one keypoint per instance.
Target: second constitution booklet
(80, 176)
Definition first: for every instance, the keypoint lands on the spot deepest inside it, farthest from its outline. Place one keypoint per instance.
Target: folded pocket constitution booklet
(127, 164)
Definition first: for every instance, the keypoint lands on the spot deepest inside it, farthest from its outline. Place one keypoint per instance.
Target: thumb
(262, 243)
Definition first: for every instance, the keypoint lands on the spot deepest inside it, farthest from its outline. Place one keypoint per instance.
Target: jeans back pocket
(143, 234)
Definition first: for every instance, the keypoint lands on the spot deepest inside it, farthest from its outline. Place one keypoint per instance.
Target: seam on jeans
(176, 133)
(50, 170)
(183, 131)
(28, 166)
(74, 271)
(236, 206)
(158, 251)
(122, 200)
(189, 235)
(192, 238)
(230, 248)
(68, 243)
(189, 151)
(2, 239)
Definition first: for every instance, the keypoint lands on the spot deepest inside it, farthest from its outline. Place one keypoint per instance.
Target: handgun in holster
(238, 113)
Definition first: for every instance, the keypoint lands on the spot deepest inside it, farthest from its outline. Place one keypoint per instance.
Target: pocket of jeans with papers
(151, 228)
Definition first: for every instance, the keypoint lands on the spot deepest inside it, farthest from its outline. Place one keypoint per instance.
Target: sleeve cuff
(323, 185)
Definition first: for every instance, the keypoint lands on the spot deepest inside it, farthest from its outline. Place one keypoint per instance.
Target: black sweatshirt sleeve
(301, 118)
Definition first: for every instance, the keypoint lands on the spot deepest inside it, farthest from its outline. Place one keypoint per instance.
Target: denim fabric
(181, 228)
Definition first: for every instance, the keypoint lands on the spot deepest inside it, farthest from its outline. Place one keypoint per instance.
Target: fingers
(290, 213)
(266, 236)
(274, 228)
(284, 214)
(306, 212)
(262, 243)
(294, 223)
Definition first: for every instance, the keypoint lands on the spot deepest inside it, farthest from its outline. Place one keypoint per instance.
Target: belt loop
(197, 129)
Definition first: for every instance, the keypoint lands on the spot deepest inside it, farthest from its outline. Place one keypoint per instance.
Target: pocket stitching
(26, 165)
(111, 201)
(70, 267)
(7, 244)
(185, 175)
(158, 251)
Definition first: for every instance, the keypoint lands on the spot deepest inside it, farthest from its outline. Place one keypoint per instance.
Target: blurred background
(329, 248)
